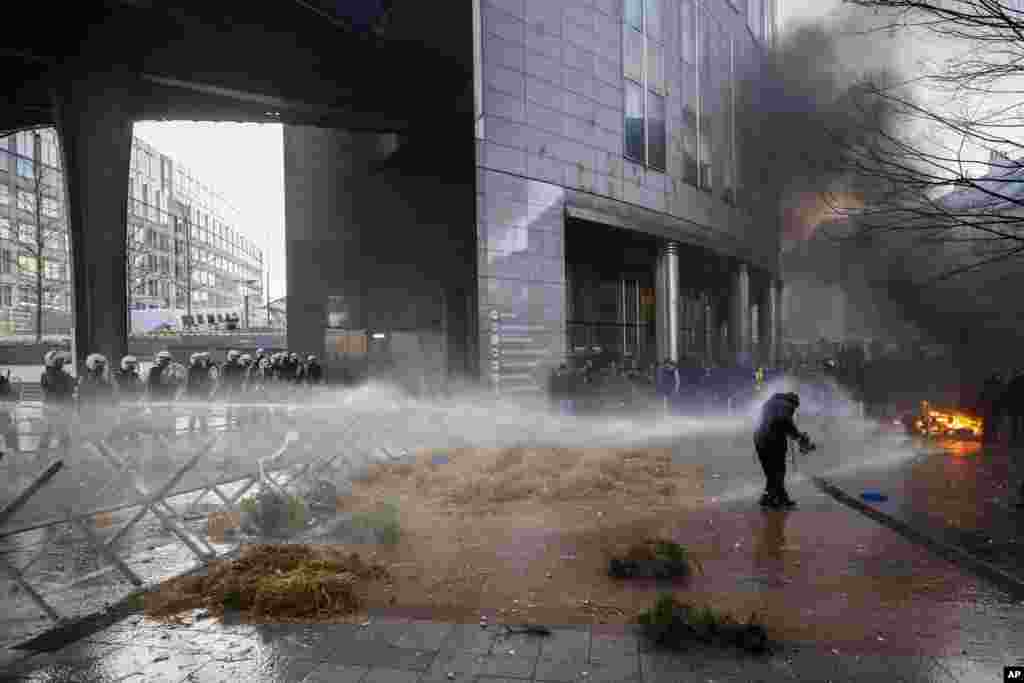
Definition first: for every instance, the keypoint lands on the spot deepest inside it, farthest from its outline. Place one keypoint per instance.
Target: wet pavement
(961, 493)
(850, 599)
(878, 608)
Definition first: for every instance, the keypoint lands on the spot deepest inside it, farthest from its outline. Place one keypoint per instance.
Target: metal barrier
(121, 462)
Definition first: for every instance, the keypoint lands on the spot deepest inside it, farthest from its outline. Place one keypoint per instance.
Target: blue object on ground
(439, 460)
(874, 497)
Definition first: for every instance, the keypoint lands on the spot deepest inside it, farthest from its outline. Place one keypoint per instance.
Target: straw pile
(475, 477)
(272, 582)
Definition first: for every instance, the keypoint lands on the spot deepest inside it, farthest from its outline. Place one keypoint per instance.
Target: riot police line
(122, 401)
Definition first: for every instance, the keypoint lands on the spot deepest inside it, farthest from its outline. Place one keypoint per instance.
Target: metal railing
(110, 470)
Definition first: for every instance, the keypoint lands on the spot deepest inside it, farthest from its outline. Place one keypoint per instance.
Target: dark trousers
(773, 462)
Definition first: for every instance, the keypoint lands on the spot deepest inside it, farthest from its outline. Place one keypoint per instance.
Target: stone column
(739, 323)
(775, 293)
(667, 299)
(710, 327)
(94, 122)
(769, 312)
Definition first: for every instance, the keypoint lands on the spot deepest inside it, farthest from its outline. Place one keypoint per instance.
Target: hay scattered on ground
(477, 477)
(272, 582)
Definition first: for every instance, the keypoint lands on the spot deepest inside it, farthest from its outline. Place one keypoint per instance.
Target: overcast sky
(245, 163)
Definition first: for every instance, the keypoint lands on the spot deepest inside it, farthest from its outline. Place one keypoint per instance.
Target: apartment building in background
(186, 252)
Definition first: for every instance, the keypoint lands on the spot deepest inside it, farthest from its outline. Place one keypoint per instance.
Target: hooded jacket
(777, 422)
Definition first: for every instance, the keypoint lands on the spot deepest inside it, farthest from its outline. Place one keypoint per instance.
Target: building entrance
(610, 294)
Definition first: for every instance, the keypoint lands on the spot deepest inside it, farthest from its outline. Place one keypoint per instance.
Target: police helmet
(94, 360)
(233, 354)
(129, 361)
(48, 358)
(310, 358)
(195, 357)
(246, 358)
(164, 356)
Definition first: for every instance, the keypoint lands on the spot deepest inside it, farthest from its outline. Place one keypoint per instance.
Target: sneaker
(787, 502)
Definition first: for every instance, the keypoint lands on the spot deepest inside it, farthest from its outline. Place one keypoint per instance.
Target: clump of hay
(272, 582)
(474, 477)
(269, 513)
(674, 625)
(654, 558)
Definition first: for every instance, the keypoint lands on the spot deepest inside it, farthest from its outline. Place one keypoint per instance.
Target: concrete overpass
(397, 70)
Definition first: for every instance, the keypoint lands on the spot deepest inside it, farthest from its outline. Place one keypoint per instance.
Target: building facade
(610, 218)
(185, 252)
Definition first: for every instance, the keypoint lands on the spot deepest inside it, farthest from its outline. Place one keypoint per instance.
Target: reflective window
(652, 19)
(656, 135)
(5, 228)
(633, 54)
(26, 201)
(634, 121)
(655, 67)
(6, 295)
(644, 72)
(27, 233)
(5, 194)
(51, 208)
(688, 133)
(634, 13)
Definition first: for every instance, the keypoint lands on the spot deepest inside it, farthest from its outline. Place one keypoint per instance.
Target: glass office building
(183, 238)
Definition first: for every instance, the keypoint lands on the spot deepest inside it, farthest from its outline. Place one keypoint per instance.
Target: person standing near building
(129, 389)
(771, 444)
(314, 371)
(97, 396)
(58, 399)
(561, 390)
(162, 384)
(199, 384)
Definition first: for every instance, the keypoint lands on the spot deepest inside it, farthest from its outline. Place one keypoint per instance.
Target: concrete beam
(96, 137)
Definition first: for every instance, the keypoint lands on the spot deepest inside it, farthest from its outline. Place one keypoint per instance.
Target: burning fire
(948, 422)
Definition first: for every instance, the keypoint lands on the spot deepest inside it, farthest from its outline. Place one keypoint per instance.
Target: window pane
(5, 195)
(634, 121)
(5, 228)
(653, 18)
(655, 67)
(688, 134)
(633, 53)
(688, 31)
(634, 13)
(656, 131)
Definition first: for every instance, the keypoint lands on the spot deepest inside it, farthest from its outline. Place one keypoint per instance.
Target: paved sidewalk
(405, 651)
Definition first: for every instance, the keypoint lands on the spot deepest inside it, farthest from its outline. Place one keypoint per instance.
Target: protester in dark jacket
(771, 444)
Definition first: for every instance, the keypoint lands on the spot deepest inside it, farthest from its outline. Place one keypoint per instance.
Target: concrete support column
(710, 325)
(95, 127)
(739, 324)
(775, 293)
(667, 298)
(769, 312)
